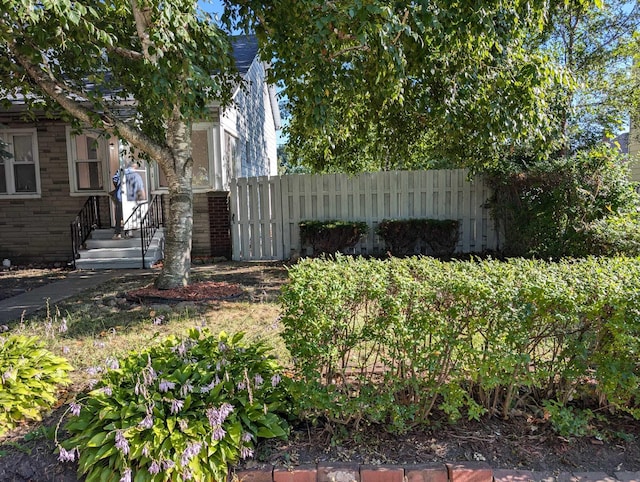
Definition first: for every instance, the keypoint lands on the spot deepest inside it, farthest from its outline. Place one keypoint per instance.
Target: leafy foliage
(365, 80)
(397, 341)
(554, 209)
(616, 234)
(419, 236)
(567, 421)
(183, 409)
(329, 237)
(30, 377)
(595, 44)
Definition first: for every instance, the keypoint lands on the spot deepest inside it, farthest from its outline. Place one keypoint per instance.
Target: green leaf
(97, 440)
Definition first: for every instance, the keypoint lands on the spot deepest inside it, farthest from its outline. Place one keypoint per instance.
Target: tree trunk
(179, 223)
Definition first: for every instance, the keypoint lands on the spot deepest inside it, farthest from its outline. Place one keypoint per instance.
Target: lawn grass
(89, 329)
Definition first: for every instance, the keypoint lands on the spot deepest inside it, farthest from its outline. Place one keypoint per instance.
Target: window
(88, 158)
(201, 150)
(19, 168)
(231, 155)
(203, 154)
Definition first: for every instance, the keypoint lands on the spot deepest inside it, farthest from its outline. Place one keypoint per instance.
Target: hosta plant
(182, 410)
(29, 379)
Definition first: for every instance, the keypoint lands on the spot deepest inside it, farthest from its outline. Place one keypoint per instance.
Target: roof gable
(245, 49)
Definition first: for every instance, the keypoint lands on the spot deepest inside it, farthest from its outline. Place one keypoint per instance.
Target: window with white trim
(231, 155)
(19, 169)
(88, 156)
(203, 152)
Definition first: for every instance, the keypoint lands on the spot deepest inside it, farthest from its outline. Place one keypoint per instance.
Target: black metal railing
(86, 221)
(147, 217)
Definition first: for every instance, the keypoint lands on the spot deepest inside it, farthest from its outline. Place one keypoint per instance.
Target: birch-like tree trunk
(179, 225)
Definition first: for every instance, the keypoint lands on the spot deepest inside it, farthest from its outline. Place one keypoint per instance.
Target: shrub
(395, 341)
(546, 211)
(184, 409)
(30, 377)
(419, 236)
(614, 235)
(329, 237)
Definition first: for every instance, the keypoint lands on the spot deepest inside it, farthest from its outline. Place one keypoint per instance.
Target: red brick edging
(448, 472)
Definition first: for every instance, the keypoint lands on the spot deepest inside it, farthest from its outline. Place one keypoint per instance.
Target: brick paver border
(447, 472)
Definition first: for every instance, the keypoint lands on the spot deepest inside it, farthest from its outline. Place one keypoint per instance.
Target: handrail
(148, 223)
(85, 221)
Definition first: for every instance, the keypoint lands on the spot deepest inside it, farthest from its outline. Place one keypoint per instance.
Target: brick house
(53, 171)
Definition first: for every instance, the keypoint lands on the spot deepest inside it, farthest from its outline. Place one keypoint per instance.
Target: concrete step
(112, 252)
(117, 244)
(102, 252)
(107, 234)
(114, 263)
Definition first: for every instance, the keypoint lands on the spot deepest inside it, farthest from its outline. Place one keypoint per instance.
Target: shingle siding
(255, 125)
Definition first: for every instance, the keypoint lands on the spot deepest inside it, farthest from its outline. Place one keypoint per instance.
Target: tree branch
(143, 22)
(108, 121)
(126, 53)
(363, 48)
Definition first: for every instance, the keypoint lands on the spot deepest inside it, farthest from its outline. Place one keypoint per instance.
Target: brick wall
(200, 243)
(219, 229)
(38, 230)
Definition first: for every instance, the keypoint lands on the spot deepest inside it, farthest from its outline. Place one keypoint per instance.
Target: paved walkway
(77, 281)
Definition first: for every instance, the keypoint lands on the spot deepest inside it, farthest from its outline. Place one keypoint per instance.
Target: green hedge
(395, 341)
(330, 237)
(407, 237)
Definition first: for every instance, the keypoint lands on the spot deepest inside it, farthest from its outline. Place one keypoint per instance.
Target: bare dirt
(525, 441)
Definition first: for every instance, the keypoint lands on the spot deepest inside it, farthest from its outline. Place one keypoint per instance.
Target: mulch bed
(196, 292)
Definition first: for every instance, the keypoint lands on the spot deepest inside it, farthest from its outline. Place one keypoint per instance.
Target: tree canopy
(385, 84)
(370, 84)
(596, 46)
(365, 79)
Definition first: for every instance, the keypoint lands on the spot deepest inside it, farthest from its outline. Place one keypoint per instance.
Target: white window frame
(213, 133)
(72, 159)
(234, 165)
(8, 164)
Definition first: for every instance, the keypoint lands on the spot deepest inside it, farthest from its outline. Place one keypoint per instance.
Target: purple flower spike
(275, 380)
(75, 408)
(176, 406)
(165, 385)
(154, 468)
(190, 452)
(147, 422)
(121, 443)
(218, 433)
(67, 455)
(126, 477)
(246, 452)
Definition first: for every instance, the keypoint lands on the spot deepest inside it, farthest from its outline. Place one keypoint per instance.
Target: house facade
(53, 170)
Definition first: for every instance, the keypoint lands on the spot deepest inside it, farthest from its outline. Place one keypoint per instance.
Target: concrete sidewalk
(75, 283)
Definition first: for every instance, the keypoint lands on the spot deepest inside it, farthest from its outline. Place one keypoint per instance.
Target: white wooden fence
(265, 211)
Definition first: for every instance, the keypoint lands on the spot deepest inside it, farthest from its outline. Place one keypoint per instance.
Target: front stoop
(102, 252)
(446, 472)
